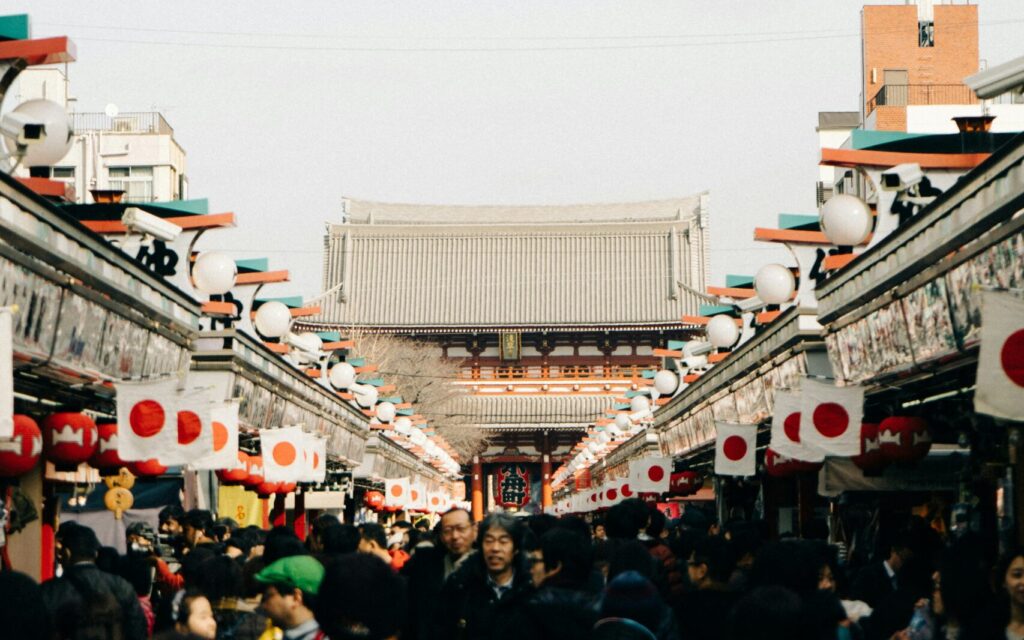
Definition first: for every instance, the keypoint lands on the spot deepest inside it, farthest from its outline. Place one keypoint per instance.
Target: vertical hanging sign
(513, 486)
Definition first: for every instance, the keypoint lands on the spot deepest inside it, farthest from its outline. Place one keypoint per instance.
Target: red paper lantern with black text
(20, 453)
(236, 475)
(285, 488)
(147, 468)
(106, 457)
(684, 483)
(254, 471)
(871, 459)
(904, 438)
(69, 439)
(779, 466)
(373, 499)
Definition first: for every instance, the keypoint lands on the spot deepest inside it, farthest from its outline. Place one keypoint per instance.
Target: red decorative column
(478, 490)
(299, 521)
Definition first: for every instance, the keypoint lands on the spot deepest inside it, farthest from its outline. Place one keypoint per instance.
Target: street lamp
(845, 220)
(774, 284)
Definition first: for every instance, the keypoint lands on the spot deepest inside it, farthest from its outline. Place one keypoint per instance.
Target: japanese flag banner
(830, 417)
(650, 474)
(397, 492)
(625, 488)
(147, 419)
(612, 496)
(224, 429)
(418, 496)
(316, 459)
(735, 449)
(786, 439)
(1000, 386)
(435, 501)
(195, 430)
(282, 454)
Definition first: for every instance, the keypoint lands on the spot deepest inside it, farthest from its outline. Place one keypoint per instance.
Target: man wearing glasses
(429, 567)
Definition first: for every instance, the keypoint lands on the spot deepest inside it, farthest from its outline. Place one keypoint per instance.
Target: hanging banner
(224, 427)
(512, 488)
(195, 430)
(735, 449)
(786, 429)
(1000, 386)
(830, 417)
(282, 454)
(418, 496)
(397, 492)
(147, 419)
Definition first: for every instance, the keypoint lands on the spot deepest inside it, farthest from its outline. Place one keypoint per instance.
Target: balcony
(141, 122)
(901, 95)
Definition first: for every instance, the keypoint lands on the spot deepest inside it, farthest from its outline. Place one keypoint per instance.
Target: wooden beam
(39, 51)
(220, 309)
(732, 292)
(262, 277)
(339, 345)
(193, 223)
(832, 263)
(853, 158)
(703, 320)
(767, 316)
(667, 353)
(277, 347)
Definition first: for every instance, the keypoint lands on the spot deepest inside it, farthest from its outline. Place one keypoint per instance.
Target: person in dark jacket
(83, 587)
(487, 592)
(430, 566)
(564, 607)
(702, 613)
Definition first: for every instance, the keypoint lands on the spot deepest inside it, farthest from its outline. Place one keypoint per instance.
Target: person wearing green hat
(290, 588)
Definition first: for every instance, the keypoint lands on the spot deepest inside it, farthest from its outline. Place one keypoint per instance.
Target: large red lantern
(69, 439)
(106, 457)
(147, 468)
(286, 487)
(684, 483)
(236, 475)
(266, 489)
(20, 453)
(373, 499)
(904, 439)
(780, 466)
(254, 471)
(871, 459)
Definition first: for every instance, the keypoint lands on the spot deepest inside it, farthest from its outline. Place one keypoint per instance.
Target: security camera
(998, 80)
(138, 221)
(23, 129)
(902, 177)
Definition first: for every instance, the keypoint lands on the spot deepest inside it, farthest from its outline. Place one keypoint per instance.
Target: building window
(926, 33)
(63, 173)
(136, 182)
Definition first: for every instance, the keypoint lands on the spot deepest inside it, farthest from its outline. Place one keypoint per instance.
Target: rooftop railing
(901, 95)
(141, 122)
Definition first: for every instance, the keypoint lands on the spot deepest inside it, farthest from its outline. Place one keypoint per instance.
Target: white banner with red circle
(735, 449)
(650, 475)
(1000, 387)
(224, 429)
(282, 454)
(786, 440)
(147, 419)
(830, 417)
(397, 492)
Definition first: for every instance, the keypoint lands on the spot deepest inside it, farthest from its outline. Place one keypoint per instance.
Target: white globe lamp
(386, 412)
(214, 273)
(55, 140)
(639, 404)
(273, 319)
(594, 446)
(722, 331)
(342, 376)
(666, 382)
(418, 437)
(366, 395)
(845, 220)
(774, 284)
(403, 425)
(623, 422)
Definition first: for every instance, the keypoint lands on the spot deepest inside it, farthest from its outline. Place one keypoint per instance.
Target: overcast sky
(286, 108)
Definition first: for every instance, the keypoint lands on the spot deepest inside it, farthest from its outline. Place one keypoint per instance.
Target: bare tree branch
(425, 379)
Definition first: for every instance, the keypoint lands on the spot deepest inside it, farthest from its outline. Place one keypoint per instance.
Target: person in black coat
(83, 590)
(430, 566)
(564, 607)
(486, 593)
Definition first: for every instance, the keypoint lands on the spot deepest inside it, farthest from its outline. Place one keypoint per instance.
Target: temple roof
(507, 411)
(426, 267)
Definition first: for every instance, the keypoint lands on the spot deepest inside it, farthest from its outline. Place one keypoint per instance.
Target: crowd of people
(630, 574)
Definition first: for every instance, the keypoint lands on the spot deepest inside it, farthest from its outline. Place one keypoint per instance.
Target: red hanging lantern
(254, 471)
(285, 488)
(779, 466)
(69, 439)
(236, 475)
(266, 489)
(105, 457)
(904, 438)
(684, 483)
(373, 499)
(871, 459)
(147, 468)
(20, 453)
